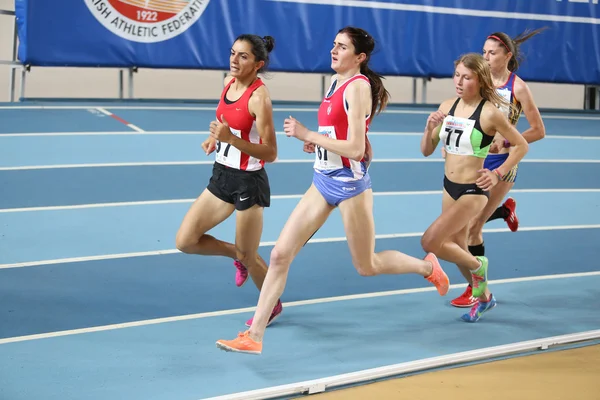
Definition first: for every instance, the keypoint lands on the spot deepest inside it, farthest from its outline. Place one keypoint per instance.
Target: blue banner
(415, 37)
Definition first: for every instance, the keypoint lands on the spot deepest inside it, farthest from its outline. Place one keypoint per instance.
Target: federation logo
(147, 21)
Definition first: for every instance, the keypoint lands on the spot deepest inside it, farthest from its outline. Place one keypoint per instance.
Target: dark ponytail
(364, 43)
(261, 47)
(379, 93)
(512, 45)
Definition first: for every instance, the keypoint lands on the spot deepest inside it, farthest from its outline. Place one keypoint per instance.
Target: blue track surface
(100, 264)
(133, 147)
(70, 186)
(171, 361)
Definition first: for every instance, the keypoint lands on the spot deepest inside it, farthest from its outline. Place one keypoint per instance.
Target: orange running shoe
(241, 344)
(438, 277)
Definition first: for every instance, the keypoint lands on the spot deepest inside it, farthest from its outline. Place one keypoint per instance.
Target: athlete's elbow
(357, 155)
(271, 155)
(524, 147)
(541, 133)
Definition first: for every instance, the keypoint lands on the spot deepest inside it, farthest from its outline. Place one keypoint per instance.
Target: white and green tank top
(464, 136)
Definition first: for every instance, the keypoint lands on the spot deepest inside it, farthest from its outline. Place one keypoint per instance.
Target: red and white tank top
(243, 125)
(333, 122)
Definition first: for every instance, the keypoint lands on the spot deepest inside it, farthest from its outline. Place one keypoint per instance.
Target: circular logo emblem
(147, 21)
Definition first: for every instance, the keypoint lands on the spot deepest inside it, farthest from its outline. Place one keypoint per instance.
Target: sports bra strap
(477, 112)
(451, 112)
(475, 115)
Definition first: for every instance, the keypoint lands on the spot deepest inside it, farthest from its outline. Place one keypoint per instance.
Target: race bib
(227, 154)
(456, 135)
(324, 159)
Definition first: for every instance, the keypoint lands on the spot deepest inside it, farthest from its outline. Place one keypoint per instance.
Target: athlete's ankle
(427, 269)
(255, 336)
(478, 269)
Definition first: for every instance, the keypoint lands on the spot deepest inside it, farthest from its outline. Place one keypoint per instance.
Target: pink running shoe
(276, 313)
(241, 273)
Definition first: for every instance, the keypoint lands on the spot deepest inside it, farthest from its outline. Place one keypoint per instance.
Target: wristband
(506, 144)
(498, 174)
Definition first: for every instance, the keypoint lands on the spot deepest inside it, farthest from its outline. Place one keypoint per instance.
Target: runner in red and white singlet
(340, 179)
(243, 139)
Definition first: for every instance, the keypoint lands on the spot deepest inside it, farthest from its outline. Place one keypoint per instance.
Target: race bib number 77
(456, 135)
